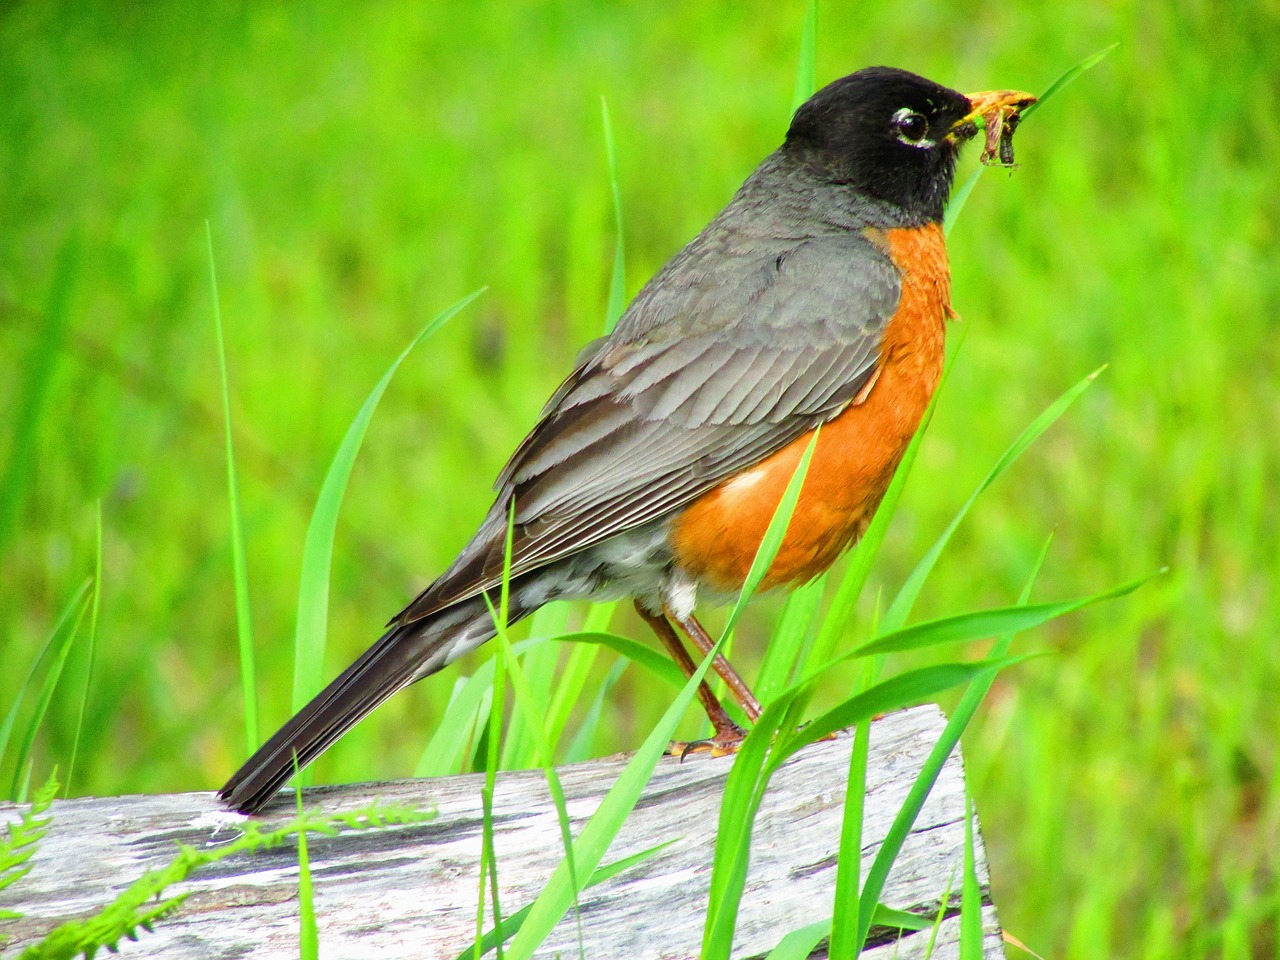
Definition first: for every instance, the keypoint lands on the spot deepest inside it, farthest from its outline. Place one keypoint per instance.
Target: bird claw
(724, 744)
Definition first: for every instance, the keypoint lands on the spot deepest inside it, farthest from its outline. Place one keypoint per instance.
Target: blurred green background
(363, 166)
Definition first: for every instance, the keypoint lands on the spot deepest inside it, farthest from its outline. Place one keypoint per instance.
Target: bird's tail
(403, 654)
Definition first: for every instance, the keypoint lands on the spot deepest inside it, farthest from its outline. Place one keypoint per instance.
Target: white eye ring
(910, 127)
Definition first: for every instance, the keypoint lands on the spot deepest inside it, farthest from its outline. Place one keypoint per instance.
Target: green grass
(359, 174)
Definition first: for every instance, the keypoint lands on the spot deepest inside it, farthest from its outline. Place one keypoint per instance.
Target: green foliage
(143, 903)
(239, 562)
(22, 838)
(512, 924)
(358, 168)
(308, 933)
(970, 894)
(960, 196)
(54, 657)
(317, 552)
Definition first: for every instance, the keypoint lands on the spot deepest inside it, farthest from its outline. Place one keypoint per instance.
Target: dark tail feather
(403, 654)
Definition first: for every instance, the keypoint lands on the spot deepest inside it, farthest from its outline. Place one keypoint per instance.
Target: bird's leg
(737, 686)
(728, 734)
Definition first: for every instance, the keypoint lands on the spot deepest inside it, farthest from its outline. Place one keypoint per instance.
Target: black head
(891, 134)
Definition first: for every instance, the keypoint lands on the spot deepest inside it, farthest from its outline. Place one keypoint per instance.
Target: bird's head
(893, 135)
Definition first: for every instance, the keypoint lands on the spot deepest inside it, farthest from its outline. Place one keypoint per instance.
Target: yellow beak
(989, 101)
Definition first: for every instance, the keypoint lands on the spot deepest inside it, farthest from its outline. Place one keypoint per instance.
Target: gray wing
(719, 362)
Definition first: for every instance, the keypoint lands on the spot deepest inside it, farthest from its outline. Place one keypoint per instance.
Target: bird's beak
(988, 103)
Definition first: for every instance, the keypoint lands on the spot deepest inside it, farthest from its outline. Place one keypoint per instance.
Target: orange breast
(716, 537)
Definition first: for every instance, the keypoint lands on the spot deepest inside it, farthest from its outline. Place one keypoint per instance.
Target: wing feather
(720, 361)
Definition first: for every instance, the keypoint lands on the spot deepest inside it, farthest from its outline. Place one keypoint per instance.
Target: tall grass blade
(1069, 76)
(525, 702)
(849, 859)
(932, 767)
(580, 748)
(538, 666)
(569, 691)
(986, 623)
(533, 711)
(618, 281)
(790, 636)
(467, 709)
(91, 653)
(970, 893)
(961, 196)
(901, 690)
(514, 922)
(773, 535)
(749, 777)
(308, 934)
(807, 67)
(317, 553)
(864, 554)
(55, 652)
(896, 616)
(800, 944)
(239, 563)
(660, 666)
(747, 782)
(24, 429)
(489, 855)
(592, 843)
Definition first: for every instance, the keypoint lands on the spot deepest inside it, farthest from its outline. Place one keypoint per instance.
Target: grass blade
(91, 653)
(807, 67)
(308, 934)
(849, 859)
(787, 643)
(489, 856)
(760, 757)
(55, 652)
(533, 711)
(884, 916)
(580, 748)
(800, 944)
(986, 623)
(660, 666)
(468, 709)
(773, 535)
(593, 842)
(618, 281)
(525, 725)
(1088, 63)
(317, 553)
(514, 922)
(239, 564)
(932, 767)
(896, 616)
(864, 554)
(960, 197)
(970, 894)
(569, 690)
(901, 690)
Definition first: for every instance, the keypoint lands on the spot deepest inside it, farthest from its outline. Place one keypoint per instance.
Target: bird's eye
(911, 127)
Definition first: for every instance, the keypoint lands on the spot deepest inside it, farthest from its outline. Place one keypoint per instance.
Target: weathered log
(411, 891)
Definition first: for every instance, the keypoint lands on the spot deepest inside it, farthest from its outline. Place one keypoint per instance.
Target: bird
(816, 300)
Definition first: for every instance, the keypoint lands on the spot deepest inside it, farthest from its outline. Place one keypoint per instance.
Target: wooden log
(411, 891)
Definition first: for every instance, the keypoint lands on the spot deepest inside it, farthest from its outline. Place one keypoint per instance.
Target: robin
(817, 297)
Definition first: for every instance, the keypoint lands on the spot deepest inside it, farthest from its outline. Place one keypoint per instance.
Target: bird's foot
(725, 743)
